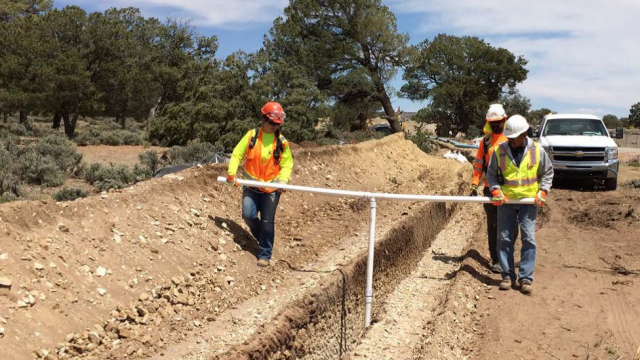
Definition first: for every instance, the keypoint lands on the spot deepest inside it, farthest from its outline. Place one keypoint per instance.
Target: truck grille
(574, 149)
(578, 154)
(577, 158)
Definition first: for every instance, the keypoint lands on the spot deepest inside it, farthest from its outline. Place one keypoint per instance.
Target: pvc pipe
(454, 143)
(368, 295)
(363, 194)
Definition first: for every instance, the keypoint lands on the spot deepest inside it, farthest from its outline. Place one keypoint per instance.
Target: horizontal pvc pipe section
(372, 218)
(364, 194)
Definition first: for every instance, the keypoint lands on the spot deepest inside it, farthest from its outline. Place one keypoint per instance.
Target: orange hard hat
(274, 112)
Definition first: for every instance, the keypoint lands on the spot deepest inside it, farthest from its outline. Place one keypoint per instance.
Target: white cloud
(221, 13)
(583, 53)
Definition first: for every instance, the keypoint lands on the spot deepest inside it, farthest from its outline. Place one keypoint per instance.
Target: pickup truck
(580, 147)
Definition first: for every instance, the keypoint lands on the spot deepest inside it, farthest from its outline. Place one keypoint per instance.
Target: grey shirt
(545, 169)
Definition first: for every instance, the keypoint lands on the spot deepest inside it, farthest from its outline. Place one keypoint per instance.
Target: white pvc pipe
(368, 294)
(363, 194)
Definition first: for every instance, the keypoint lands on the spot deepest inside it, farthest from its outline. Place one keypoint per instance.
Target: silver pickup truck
(580, 147)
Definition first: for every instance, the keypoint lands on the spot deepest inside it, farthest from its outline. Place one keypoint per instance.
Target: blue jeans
(253, 202)
(525, 216)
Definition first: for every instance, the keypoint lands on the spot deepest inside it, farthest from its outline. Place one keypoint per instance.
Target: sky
(584, 55)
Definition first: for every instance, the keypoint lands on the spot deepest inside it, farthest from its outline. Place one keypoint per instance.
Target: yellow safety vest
(519, 182)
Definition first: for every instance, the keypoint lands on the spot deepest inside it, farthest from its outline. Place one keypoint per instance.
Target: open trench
(328, 321)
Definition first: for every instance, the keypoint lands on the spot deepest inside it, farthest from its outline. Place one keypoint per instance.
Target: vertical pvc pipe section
(368, 295)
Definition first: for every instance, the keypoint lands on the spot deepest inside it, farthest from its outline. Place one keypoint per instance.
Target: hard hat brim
(515, 135)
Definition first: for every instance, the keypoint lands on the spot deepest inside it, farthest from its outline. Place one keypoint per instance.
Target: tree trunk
(24, 120)
(56, 121)
(384, 99)
(69, 124)
(74, 121)
(5, 116)
(121, 119)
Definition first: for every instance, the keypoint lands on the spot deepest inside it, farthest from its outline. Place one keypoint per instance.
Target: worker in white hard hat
(518, 169)
(494, 126)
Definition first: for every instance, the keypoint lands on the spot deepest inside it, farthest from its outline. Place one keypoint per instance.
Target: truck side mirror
(530, 132)
(619, 133)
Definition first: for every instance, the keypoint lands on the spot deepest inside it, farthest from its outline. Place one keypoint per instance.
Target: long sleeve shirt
(239, 152)
(545, 169)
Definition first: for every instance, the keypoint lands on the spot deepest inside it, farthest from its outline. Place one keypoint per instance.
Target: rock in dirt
(1, 332)
(5, 282)
(4, 256)
(100, 271)
(94, 338)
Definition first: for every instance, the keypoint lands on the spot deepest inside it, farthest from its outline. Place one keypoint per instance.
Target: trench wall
(327, 322)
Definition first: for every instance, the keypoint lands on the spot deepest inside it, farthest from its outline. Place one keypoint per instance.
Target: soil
(120, 155)
(166, 269)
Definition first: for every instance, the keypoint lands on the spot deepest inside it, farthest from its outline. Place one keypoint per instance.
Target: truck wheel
(611, 183)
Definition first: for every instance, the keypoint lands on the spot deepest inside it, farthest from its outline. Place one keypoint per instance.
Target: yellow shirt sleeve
(286, 165)
(238, 154)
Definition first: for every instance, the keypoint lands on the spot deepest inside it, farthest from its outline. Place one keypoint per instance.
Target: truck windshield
(574, 127)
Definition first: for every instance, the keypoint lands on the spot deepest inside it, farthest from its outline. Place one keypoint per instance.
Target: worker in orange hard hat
(495, 120)
(268, 159)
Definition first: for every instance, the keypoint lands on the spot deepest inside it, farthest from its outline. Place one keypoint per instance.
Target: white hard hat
(515, 126)
(496, 113)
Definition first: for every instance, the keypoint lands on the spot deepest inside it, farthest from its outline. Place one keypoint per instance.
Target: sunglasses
(272, 123)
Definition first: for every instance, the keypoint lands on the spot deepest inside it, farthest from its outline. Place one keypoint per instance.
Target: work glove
(541, 198)
(231, 180)
(474, 190)
(280, 182)
(497, 197)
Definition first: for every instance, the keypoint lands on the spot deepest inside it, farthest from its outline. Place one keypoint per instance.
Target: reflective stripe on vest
(253, 167)
(519, 182)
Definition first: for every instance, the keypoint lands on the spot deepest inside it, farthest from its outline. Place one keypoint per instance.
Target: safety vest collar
(505, 150)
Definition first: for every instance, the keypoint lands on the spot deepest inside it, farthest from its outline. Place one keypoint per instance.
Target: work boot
(263, 262)
(496, 268)
(506, 284)
(526, 287)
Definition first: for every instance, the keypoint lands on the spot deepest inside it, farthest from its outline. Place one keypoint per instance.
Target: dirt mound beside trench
(133, 272)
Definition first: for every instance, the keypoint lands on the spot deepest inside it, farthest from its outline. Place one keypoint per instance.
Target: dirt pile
(168, 259)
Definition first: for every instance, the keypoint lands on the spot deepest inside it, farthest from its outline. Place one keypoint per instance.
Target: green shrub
(8, 197)
(69, 194)
(192, 152)
(40, 170)
(9, 180)
(422, 141)
(110, 138)
(118, 137)
(129, 138)
(635, 162)
(85, 139)
(61, 150)
(149, 160)
(18, 129)
(141, 173)
(113, 177)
